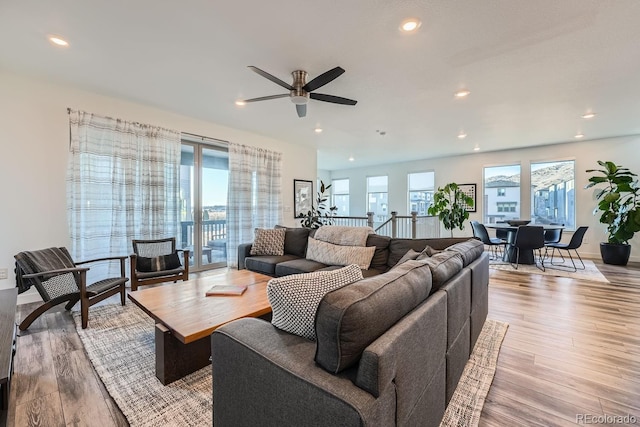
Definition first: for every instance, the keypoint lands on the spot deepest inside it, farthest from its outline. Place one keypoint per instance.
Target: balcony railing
(410, 226)
(215, 229)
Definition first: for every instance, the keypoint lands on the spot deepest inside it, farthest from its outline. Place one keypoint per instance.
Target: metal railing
(215, 229)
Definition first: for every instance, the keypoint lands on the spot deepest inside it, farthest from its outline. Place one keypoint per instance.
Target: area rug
(120, 344)
(590, 272)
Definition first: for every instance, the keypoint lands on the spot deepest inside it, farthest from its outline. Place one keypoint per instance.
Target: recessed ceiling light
(318, 130)
(410, 25)
(58, 41)
(476, 148)
(240, 103)
(462, 135)
(588, 115)
(579, 135)
(351, 159)
(462, 93)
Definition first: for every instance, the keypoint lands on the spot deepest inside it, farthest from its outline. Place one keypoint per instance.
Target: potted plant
(450, 206)
(619, 207)
(320, 214)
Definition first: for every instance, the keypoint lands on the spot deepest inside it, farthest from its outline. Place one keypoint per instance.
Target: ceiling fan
(301, 91)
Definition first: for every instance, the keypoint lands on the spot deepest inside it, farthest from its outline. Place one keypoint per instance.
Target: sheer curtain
(122, 183)
(255, 196)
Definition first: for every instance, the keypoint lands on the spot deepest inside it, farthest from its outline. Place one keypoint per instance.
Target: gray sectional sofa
(390, 348)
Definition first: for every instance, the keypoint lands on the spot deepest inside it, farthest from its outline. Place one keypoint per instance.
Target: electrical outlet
(3, 273)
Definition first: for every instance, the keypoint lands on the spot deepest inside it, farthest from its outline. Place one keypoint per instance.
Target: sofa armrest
(244, 250)
(262, 373)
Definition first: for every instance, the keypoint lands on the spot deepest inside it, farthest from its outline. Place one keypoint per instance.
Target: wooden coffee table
(185, 318)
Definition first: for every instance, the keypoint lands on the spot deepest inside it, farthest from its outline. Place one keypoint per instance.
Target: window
(501, 182)
(377, 197)
(553, 193)
(340, 196)
(421, 186)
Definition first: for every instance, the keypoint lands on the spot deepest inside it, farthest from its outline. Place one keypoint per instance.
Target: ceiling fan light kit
(300, 90)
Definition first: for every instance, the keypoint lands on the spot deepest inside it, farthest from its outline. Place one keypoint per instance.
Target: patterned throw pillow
(268, 241)
(330, 254)
(294, 299)
(159, 263)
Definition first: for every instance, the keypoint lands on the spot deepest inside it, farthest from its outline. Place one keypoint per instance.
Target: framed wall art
(470, 190)
(302, 197)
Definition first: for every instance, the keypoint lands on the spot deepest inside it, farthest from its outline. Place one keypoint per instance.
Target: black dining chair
(529, 238)
(553, 235)
(496, 245)
(574, 244)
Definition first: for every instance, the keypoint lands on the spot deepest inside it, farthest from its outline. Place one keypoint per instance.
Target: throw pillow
(330, 254)
(428, 252)
(294, 299)
(268, 241)
(159, 263)
(410, 255)
(59, 285)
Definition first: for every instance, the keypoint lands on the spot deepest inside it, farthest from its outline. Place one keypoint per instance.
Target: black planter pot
(615, 254)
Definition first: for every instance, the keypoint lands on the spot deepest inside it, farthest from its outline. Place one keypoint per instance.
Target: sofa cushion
(443, 265)
(268, 241)
(297, 266)
(399, 247)
(294, 299)
(159, 263)
(469, 250)
(295, 240)
(379, 260)
(410, 255)
(330, 254)
(352, 317)
(343, 235)
(266, 264)
(428, 251)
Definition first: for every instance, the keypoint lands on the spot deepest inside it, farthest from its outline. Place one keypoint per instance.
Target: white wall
(34, 139)
(468, 169)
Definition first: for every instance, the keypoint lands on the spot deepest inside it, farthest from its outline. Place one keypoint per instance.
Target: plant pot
(615, 254)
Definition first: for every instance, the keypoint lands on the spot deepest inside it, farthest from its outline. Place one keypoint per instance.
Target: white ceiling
(533, 67)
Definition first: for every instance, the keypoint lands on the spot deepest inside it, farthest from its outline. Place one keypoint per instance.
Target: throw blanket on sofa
(343, 235)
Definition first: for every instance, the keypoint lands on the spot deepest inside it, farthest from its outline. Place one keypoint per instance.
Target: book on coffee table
(226, 290)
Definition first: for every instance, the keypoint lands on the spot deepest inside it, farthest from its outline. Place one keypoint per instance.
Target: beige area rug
(120, 344)
(590, 272)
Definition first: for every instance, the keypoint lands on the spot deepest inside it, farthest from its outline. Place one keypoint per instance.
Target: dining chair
(495, 244)
(529, 238)
(573, 245)
(553, 235)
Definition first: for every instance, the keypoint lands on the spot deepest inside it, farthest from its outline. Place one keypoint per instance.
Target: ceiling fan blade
(331, 98)
(271, 77)
(301, 109)
(323, 79)
(265, 98)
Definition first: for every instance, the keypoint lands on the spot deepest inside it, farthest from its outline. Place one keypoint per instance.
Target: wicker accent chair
(157, 261)
(58, 279)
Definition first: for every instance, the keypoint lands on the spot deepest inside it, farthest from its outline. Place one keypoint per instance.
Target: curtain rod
(207, 139)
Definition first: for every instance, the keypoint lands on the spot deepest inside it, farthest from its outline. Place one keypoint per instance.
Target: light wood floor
(573, 347)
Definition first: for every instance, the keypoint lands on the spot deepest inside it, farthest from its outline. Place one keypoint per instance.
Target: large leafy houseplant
(450, 206)
(320, 214)
(618, 199)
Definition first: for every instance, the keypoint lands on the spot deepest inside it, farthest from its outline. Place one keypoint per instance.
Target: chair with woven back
(59, 279)
(157, 261)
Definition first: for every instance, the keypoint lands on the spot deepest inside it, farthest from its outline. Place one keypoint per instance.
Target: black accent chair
(58, 279)
(157, 261)
(496, 245)
(574, 244)
(553, 235)
(529, 238)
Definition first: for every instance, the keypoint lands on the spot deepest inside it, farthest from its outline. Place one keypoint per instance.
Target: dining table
(526, 255)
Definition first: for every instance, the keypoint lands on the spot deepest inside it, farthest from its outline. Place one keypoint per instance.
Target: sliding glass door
(204, 176)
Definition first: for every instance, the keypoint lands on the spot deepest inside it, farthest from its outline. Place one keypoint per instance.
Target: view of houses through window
(421, 186)
(501, 193)
(553, 193)
(340, 196)
(377, 197)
